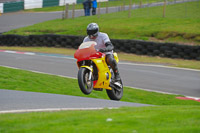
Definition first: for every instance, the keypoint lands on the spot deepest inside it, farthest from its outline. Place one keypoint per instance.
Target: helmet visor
(92, 31)
(93, 36)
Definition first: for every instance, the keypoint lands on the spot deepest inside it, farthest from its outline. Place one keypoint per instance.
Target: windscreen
(87, 44)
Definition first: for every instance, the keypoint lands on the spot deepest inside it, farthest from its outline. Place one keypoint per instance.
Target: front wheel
(116, 93)
(85, 84)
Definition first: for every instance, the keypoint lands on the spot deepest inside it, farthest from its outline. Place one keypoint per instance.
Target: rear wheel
(85, 84)
(117, 92)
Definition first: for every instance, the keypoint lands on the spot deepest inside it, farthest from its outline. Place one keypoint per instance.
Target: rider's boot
(117, 76)
(117, 79)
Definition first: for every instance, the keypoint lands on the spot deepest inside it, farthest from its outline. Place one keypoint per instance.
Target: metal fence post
(67, 11)
(63, 13)
(107, 6)
(140, 3)
(164, 8)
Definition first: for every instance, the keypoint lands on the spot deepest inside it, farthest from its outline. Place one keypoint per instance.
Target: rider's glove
(109, 47)
(102, 50)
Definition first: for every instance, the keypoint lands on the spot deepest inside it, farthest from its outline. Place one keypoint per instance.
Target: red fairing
(87, 53)
(94, 82)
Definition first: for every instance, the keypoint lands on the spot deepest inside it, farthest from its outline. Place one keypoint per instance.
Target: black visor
(92, 32)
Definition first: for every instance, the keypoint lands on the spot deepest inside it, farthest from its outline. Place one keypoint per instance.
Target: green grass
(122, 56)
(170, 114)
(161, 119)
(13, 79)
(145, 24)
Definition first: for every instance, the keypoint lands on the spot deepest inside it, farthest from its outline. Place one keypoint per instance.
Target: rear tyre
(85, 84)
(117, 92)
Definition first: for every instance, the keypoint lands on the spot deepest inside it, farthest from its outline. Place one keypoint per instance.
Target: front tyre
(85, 84)
(116, 93)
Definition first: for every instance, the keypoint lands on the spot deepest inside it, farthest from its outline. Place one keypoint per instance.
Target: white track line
(50, 110)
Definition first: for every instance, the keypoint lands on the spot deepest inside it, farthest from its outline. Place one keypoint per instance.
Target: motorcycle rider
(104, 45)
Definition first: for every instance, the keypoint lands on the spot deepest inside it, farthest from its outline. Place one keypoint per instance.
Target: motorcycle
(94, 73)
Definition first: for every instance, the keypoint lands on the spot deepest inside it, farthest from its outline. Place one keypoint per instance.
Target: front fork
(89, 68)
(90, 74)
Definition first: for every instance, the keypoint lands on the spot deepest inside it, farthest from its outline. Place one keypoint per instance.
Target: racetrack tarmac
(144, 76)
(20, 101)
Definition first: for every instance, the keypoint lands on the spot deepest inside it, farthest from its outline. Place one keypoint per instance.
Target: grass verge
(165, 119)
(192, 64)
(145, 24)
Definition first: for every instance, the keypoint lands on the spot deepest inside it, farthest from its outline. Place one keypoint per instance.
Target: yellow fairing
(116, 57)
(88, 68)
(103, 73)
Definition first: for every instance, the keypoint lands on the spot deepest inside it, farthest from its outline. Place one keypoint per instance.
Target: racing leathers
(104, 45)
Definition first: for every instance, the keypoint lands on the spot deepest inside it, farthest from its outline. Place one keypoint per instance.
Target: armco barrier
(170, 50)
(49, 3)
(13, 6)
